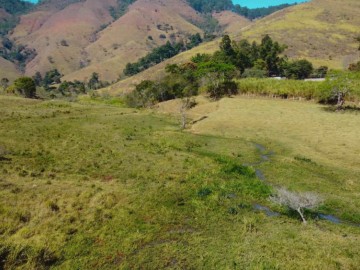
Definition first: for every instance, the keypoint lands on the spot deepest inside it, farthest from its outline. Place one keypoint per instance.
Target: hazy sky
(252, 3)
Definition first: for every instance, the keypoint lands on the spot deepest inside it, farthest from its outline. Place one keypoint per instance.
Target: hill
(147, 25)
(322, 31)
(82, 37)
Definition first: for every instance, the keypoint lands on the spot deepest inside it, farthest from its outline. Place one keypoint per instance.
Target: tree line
(214, 74)
(209, 6)
(51, 86)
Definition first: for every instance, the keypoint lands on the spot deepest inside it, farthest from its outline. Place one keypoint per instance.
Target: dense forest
(15, 6)
(162, 53)
(208, 6)
(254, 13)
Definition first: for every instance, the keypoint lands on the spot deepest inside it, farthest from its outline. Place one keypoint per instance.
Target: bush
(298, 70)
(254, 73)
(296, 201)
(24, 86)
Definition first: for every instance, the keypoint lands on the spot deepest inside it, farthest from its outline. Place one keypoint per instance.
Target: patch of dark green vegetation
(18, 54)
(120, 9)
(209, 6)
(14, 8)
(162, 53)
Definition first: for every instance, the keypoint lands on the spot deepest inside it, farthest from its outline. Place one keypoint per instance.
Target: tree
(269, 52)
(217, 77)
(296, 201)
(38, 78)
(25, 86)
(340, 86)
(51, 77)
(226, 47)
(4, 83)
(94, 82)
(298, 70)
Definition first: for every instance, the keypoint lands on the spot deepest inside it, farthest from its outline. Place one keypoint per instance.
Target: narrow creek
(265, 156)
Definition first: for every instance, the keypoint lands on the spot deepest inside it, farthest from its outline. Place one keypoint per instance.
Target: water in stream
(265, 156)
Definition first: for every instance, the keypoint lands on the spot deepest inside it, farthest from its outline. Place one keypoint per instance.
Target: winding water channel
(265, 156)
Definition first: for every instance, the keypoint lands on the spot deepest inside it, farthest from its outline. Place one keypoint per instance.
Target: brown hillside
(322, 31)
(60, 36)
(135, 34)
(231, 22)
(8, 70)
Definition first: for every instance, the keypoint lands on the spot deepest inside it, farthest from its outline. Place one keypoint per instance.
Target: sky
(264, 3)
(252, 3)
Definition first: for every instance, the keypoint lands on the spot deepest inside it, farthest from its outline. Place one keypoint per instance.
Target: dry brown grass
(8, 70)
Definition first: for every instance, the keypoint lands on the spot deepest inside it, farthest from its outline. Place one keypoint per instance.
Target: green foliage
(160, 54)
(51, 77)
(16, 6)
(24, 86)
(258, 12)
(120, 9)
(320, 72)
(298, 69)
(75, 87)
(322, 92)
(208, 6)
(95, 82)
(18, 54)
(254, 73)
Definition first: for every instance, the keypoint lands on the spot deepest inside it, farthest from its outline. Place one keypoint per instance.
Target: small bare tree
(297, 201)
(185, 105)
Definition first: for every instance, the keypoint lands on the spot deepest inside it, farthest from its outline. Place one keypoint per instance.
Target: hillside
(321, 31)
(146, 25)
(231, 22)
(59, 36)
(8, 70)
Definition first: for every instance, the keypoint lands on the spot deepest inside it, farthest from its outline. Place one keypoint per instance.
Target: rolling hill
(321, 31)
(81, 37)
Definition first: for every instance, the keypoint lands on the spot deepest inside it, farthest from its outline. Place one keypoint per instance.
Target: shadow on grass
(344, 109)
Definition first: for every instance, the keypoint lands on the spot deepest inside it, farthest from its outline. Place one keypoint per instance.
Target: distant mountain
(79, 37)
(15, 6)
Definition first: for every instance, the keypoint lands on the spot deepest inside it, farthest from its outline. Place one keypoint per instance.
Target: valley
(179, 134)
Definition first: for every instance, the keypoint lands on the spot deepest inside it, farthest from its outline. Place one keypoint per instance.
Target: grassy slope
(322, 31)
(231, 22)
(8, 70)
(94, 185)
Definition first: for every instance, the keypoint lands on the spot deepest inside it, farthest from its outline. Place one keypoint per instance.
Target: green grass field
(95, 185)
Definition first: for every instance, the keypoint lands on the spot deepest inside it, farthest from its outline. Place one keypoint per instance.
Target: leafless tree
(185, 105)
(297, 201)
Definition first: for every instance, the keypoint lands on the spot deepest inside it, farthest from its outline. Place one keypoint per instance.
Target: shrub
(298, 70)
(24, 86)
(254, 73)
(297, 201)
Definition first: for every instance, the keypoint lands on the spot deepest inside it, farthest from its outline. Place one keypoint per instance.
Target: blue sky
(252, 3)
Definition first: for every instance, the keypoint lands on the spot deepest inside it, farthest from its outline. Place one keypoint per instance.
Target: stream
(265, 156)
